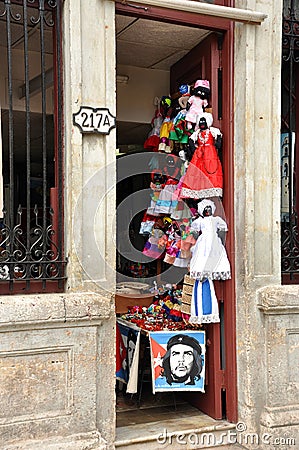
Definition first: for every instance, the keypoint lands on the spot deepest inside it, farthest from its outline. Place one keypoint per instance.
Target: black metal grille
(31, 238)
(289, 144)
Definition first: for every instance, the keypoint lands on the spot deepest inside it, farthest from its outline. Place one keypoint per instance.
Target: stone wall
(57, 372)
(279, 308)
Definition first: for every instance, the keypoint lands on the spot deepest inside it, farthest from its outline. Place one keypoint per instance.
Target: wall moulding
(278, 299)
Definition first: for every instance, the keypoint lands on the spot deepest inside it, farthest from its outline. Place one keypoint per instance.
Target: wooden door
(213, 60)
(206, 61)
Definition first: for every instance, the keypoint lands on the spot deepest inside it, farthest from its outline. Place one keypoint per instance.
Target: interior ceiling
(152, 45)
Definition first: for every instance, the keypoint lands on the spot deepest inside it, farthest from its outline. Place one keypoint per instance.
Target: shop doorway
(205, 54)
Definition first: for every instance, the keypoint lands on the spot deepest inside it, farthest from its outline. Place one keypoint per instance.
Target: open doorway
(153, 59)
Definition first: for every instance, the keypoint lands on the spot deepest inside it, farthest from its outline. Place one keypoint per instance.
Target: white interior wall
(136, 99)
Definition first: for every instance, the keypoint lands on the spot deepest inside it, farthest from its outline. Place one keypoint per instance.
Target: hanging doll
(188, 238)
(173, 243)
(164, 144)
(204, 176)
(197, 102)
(155, 245)
(179, 134)
(186, 241)
(209, 258)
(166, 202)
(181, 210)
(156, 185)
(153, 140)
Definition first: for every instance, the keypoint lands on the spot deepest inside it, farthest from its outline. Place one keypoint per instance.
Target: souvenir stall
(183, 226)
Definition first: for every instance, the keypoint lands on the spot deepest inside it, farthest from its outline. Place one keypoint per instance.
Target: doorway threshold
(179, 426)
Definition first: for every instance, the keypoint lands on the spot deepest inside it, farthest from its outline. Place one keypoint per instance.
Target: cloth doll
(188, 238)
(164, 144)
(197, 102)
(173, 243)
(166, 202)
(209, 258)
(156, 185)
(179, 133)
(153, 140)
(181, 210)
(155, 245)
(147, 224)
(204, 176)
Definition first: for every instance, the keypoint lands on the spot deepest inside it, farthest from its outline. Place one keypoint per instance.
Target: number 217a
(93, 120)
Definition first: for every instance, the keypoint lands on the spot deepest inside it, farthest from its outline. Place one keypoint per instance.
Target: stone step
(185, 433)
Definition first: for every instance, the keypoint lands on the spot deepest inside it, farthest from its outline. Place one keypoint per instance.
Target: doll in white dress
(209, 258)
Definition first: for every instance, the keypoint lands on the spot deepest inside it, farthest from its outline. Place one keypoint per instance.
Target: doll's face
(202, 92)
(170, 161)
(202, 123)
(157, 178)
(207, 211)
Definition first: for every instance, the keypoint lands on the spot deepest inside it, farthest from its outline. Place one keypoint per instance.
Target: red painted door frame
(226, 377)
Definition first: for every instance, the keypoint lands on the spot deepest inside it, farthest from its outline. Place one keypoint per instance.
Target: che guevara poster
(178, 360)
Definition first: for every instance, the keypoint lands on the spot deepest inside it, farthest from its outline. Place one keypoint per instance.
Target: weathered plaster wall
(257, 211)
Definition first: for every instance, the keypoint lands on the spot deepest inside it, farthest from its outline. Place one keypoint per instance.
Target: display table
(131, 294)
(124, 301)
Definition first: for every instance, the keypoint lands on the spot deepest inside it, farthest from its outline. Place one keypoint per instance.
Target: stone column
(257, 89)
(89, 79)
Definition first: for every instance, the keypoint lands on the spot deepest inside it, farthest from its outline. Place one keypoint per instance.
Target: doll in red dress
(204, 176)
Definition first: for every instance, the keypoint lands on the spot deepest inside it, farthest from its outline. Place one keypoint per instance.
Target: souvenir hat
(184, 89)
(165, 100)
(184, 339)
(202, 83)
(202, 205)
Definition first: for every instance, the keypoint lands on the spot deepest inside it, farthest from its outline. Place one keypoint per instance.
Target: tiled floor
(155, 413)
(152, 407)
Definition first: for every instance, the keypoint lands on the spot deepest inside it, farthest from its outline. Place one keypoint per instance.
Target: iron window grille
(31, 216)
(289, 141)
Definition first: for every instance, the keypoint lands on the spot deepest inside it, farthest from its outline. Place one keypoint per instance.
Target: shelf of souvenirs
(167, 308)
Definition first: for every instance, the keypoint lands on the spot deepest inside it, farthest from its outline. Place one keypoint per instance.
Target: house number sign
(94, 120)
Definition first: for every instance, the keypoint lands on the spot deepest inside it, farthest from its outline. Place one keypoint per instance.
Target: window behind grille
(31, 185)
